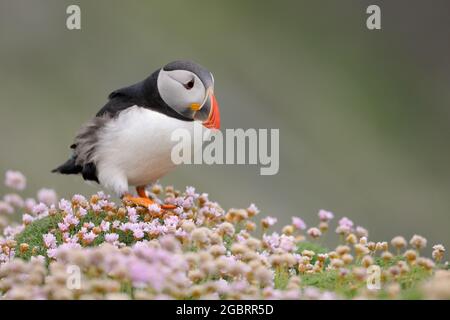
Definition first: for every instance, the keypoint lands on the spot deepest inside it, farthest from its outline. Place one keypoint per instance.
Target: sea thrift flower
(195, 251)
(410, 255)
(111, 237)
(190, 192)
(6, 208)
(346, 222)
(325, 216)
(78, 199)
(351, 238)
(154, 208)
(47, 196)
(40, 209)
(418, 242)
(323, 226)
(89, 237)
(398, 242)
(29, 204)
(104, 226)
(298, 223)
(82, 212)
(314, 232)
(27, 219)
(361, 232)
(63, 227)
(287, 230)
(367, 261)
(71, 220)
(14, 200)
(49, 240)
(345, 226)
(425, 263)
(15, 180)
(65, 206)
(252, 210)
(438, 252)
(360, 249)
(268, 222)
(387, 256)
(138, 233)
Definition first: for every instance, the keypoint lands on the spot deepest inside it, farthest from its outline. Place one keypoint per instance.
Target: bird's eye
(189, 85)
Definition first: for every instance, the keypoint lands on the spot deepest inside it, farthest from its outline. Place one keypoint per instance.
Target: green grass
(32, 234)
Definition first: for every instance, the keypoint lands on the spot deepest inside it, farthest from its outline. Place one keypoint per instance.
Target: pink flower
(253, 210)
(111, 237)
(63, 227)
(40, 209)
(47, 196)
(298, 223)
(89, 225)
(104, 226)
(190, 192)
(325, 215)
(65, 206)
(82, 212)
(103, 195)
(27, 219)
(71, 220)
(131, 211)
(89, 237)
(361, 232)
(269, 221)
(15, 180)
(6, 208)
(188, 203)
(346, 222)
(345, 226)
(116, 224)
(314, 232)
(287, 243)
(49, 240)
(154, 208)
(78, 198)
(204, 197)
(178, 210)
(51, 253)
(29, 204)
(138, 233)
(142, 273)
(14, 200)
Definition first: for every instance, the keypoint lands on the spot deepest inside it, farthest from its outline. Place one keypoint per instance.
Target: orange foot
(144, 201)
(139, 201)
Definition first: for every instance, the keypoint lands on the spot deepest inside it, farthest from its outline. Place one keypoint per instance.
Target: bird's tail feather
(69, 167)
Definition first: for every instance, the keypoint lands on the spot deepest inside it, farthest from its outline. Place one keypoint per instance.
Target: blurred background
(363, 115)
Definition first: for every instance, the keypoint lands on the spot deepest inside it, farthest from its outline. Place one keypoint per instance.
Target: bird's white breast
(137, 146)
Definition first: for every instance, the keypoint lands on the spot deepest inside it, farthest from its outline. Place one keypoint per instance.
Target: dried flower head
(418, 242)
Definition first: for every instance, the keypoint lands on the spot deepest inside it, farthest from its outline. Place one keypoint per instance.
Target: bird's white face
(182, 90)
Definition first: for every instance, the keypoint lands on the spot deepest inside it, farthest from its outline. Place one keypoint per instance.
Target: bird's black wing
(122, 99)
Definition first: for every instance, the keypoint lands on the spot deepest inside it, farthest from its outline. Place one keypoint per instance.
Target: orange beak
(213, 121)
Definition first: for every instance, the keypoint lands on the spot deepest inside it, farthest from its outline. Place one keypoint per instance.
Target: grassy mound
(96, 249)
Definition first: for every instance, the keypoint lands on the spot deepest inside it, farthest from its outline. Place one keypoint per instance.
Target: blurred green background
(363, 115)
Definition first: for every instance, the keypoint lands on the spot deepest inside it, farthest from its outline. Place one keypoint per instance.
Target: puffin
(128, 142)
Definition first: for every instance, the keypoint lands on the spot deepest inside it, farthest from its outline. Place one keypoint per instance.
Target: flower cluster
(93, 248)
